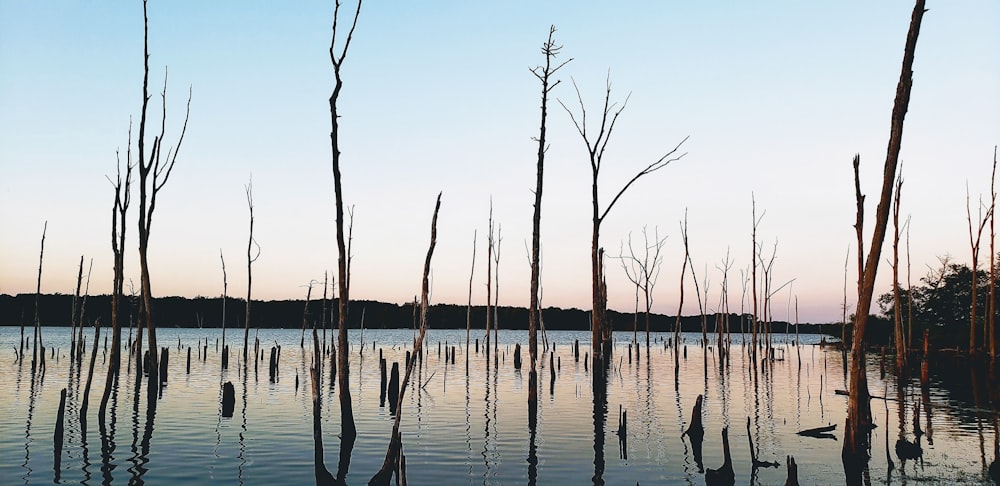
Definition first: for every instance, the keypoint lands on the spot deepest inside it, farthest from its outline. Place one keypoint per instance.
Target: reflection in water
(271, 443)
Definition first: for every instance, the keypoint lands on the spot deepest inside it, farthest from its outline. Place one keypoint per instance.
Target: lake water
(464, 428)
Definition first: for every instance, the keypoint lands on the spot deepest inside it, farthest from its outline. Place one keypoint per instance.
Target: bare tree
(37, 341)
(251, 257)
(468, 307)
(225, 290)
(596, 145)
(993, 258)
(489, 282)
(902, 352)
(974, 243)
(118, 225)
(544, 73)
(643, 270)
(348, 429)
(859, 409)
(393, 452)
(154, 171)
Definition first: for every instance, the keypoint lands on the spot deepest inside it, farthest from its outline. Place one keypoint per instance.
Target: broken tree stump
(793, 472)
(57, 436)
(723, 475)
(696, 432)
(393, 390)
(382, 380)
(228, 399)
(517, 356)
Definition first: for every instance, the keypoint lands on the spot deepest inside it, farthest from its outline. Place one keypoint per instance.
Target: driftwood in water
(793, 472)
(819, 432)
(723, 475)
(228, 399)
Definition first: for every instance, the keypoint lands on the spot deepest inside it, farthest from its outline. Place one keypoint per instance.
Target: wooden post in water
(189, 360)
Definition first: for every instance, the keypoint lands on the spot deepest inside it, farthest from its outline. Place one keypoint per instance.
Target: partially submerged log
(819, 432)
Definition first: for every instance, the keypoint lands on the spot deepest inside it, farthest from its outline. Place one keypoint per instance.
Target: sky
(776, 97)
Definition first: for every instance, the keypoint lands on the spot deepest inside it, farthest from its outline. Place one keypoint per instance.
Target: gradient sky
(777, 97)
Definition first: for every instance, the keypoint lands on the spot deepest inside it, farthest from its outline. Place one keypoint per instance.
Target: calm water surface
(464, 428)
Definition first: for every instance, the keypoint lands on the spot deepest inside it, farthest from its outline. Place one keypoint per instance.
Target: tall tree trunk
(859, 410)
(900, 335)
(550, 50)
(348, 429)
(37, 341)
(395, 442)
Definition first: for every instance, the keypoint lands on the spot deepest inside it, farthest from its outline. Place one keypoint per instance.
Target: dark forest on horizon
(183, 312)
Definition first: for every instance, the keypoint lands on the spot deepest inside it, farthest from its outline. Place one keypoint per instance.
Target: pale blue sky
(777, 97)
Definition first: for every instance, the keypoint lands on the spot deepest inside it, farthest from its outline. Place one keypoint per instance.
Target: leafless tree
(253, 253)
(544, 73)
(468, 307)
(644, 269)
(859, 409)
(348, 429)
(993, 258)
(118, 225)
(596, 144)
(154, 172)
(37, 341)
(902, 351)
(974, 243)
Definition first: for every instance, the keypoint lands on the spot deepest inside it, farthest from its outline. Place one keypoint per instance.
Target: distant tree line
(56, 310)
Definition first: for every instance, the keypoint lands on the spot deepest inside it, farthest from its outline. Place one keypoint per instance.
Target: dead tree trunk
(993, 258)
(73, 317)
(393, 452)
(899, 334)
(859, 410)
(118, 225)
(550, 50)
(348, 429)
(596, 145)
(225, 289)
(37, 341)
(154, 171)
(251, 257)
(489, 283)
(468, 307)
(974, 242)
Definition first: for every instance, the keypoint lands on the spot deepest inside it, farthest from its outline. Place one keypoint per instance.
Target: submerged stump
(228, 399)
